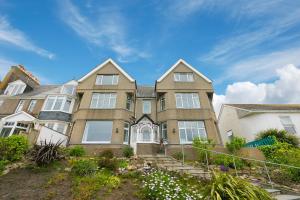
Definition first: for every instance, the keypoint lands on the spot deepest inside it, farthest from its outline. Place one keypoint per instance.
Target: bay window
(188, 130)
(187, 100)
(103, 100)
(59, 127)
(58, 103)
(97, 132)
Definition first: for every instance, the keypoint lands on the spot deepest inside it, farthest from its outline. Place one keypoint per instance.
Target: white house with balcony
(246, 120)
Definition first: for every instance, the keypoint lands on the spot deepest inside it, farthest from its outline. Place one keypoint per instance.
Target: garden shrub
(122, 164)
(77, 151)
(280, 135)
(199, 145)
(3, 163)
(178, 155)
(160, 185)
(107, 154)
(235, 144)
(108, 163)
(227, 161)
(46, 153)
(84, 167)
(225, 186)
(127, 151)
(13, 148)
(284, 153)
(86, 187)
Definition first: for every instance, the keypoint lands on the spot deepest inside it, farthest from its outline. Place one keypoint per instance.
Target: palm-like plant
(224, 186)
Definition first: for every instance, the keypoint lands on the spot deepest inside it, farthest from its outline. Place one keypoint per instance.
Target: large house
(247, 120)
(109, 110)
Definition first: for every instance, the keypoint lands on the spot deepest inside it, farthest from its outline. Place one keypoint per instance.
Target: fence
(234, 157)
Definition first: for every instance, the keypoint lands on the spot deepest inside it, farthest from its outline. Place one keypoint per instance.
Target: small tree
(235, 144)
(280, 135)
(201, 147)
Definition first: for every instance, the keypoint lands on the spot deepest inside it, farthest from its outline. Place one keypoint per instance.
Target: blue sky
(231, 42)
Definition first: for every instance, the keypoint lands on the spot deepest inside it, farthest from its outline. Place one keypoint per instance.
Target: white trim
(102, 65)
(186, 64)
(18, 113)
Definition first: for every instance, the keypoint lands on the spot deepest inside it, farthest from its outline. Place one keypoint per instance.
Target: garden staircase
(170, 164)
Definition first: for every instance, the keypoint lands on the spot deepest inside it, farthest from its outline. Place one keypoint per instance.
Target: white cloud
(285, 89)
(107, 29)
(13, 36)
(262, 67)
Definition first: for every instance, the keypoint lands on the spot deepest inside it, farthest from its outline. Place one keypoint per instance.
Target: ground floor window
(97, 132)
(163, 131)
(13, 128)
(59, 127)
(126, 132)
(188, 130)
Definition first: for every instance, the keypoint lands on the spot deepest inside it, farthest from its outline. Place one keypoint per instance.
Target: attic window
(68, 89)
(15, 88)
(107, 79)
(183, 77)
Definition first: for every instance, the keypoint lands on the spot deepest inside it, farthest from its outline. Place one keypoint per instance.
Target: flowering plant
(160, 185)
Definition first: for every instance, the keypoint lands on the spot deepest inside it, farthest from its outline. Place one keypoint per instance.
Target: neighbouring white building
(246, 120)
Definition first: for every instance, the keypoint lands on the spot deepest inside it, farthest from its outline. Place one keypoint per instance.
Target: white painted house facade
(246, 120)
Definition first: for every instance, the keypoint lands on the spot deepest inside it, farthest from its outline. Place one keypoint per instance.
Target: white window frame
(114, 79)
(54, 126)
(13, 126)
(100, 98)
(162, 102)
(85, 134)
(20, 106)
(15, 88)
(164, 130)
(178, 77)
(191, 98)
(126, 131)
(144, 106)
(187, 126)
(62, 91)
(61, 108)
(288, 126)
(31, 105)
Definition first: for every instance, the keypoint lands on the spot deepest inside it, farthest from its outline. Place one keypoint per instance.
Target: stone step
(287, 197)
(164, 165)
(196, 171)
(273, 191)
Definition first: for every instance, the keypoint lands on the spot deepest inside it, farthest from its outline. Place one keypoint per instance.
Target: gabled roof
(267, 107)
(186, 64)
(145, 116)
(102, 65)
(19, 116)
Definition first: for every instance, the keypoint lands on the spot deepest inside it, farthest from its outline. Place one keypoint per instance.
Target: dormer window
(58, 103)
(183, 77)
(15, 88)
(107, 79)
(68, 89)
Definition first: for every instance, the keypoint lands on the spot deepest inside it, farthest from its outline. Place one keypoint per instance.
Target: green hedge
(13, 148)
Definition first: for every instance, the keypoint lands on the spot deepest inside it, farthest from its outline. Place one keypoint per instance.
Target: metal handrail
(245, 158)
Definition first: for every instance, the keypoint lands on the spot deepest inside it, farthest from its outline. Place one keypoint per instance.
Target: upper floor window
(58, 103)
(31, 105)
(103, 100)
(68, 89)
(20, 106)
(187, 100)
(183, 77)
(147, 107)
(15, 88)
(189, 130)
(129, 102)
(162, 101)
(107, 79)
(288, 124)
